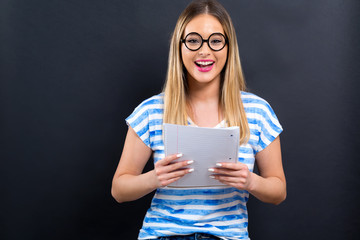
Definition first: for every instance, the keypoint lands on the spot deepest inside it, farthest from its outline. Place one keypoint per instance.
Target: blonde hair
(232, 79)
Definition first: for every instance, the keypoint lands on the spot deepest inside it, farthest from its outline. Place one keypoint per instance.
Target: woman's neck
(203, 92)
(203, 103)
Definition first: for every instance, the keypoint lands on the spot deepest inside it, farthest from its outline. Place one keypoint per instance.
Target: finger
(233, 166)
(234, 173)
(222, 171)
(176, 166)
(168, 159)
(160, 170)
(235, 185)
(231, 179)
(167, 182)
(175, 174)
(166, 179)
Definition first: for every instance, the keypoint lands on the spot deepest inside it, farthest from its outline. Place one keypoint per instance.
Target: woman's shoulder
(254, 104)
(156, 101)
(149, 108)
(251, 98)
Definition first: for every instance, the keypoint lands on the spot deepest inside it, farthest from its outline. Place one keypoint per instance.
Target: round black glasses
(193, 41)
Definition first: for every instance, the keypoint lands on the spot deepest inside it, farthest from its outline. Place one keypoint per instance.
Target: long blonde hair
(232, 79)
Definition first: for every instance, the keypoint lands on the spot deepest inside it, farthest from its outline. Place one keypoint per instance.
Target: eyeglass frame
(204, 40)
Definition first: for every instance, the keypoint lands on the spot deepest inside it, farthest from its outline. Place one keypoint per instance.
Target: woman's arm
(129, 183)
(269, 186)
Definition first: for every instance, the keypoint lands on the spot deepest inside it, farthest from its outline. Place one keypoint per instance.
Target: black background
(71, 71)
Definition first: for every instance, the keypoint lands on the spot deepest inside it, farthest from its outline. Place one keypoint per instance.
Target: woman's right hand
(167, 171)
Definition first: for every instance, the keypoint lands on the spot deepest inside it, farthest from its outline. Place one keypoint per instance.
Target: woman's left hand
(233, 174)
(269, 186)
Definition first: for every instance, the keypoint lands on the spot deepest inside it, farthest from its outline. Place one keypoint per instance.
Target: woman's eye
(216, 41)
(193, 41)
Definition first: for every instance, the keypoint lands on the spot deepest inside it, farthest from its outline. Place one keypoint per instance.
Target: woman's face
(203, 65)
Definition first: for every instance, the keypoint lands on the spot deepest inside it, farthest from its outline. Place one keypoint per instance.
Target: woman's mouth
(204, 65)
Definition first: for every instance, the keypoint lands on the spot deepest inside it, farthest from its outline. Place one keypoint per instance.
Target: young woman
(205, 88)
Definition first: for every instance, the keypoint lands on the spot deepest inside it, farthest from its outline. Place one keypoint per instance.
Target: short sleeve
(139, 121)
(263, 123)
(268, 125)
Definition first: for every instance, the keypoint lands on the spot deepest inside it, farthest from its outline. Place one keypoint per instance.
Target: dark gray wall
(71, 71)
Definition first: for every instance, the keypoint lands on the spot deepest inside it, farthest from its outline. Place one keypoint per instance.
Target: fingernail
(211, 176)
(179, 155)
(211, 170)
(190, 162)
(219, 164)
(191, 170)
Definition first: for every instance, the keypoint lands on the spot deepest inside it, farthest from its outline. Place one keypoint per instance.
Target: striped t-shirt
(220, 211)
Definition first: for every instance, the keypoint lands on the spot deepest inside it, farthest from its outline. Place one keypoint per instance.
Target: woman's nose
(205, 50)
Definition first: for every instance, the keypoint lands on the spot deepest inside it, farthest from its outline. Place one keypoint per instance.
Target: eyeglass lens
(194, 41)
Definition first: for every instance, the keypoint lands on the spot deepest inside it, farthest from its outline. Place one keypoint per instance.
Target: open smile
(204, 65)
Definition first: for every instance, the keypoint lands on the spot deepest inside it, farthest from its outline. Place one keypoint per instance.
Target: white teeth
(205, 63)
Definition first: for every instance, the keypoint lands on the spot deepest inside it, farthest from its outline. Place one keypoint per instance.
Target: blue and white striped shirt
(220, 211)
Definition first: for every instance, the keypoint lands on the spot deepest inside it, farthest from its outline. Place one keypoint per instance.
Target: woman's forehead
(205, 25)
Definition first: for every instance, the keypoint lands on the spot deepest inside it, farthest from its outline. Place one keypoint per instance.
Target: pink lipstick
(204, 65)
